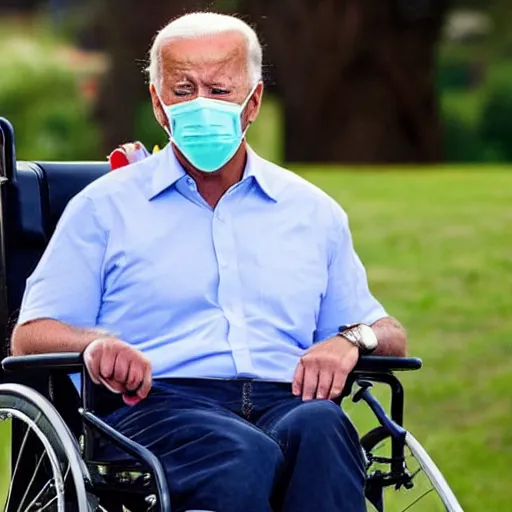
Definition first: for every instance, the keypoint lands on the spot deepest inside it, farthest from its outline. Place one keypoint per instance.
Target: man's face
(212, 67)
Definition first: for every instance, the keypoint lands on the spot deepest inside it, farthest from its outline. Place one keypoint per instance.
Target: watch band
(355, 334)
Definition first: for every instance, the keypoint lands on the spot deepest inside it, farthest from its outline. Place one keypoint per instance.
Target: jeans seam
(273, 435)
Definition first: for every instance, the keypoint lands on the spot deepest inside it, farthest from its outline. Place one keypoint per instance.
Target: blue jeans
(247, 446)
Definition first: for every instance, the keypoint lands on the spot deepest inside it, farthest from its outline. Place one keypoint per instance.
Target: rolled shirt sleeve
(67, 283)
(348, 298)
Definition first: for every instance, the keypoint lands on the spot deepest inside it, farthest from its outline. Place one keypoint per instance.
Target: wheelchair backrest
(33, 199)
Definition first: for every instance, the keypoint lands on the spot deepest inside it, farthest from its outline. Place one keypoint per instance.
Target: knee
(240, 475)
(252, 456)
(321, 420)
(317, 415)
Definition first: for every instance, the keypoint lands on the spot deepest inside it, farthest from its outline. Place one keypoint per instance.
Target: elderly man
(234, 302)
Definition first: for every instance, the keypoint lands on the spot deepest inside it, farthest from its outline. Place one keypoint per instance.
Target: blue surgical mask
(208, 132)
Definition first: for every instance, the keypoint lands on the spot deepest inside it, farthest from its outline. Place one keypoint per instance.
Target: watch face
(368, 340)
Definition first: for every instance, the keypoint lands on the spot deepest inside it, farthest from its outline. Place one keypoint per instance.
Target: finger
(298, 379)
(145, 387)
(325, 379)
(338, 383)
(112, 385)
(131, 400)
(310, 382)
(107, 362)
(135, 378)
(121, 367)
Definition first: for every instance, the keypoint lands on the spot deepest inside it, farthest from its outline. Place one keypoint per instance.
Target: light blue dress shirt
(241, 290)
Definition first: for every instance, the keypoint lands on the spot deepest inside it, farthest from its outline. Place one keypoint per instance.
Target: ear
(254, 104)
(157, 107)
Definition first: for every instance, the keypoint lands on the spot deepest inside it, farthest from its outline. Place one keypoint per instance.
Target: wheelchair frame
(95, 479)
(369, 369)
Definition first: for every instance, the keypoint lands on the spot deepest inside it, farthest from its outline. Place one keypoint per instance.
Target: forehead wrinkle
(214, 63)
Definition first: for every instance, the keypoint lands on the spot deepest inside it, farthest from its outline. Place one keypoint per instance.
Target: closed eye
(182, 92)
(217, 91)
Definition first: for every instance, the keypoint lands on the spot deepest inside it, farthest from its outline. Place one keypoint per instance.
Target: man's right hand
(119, 367)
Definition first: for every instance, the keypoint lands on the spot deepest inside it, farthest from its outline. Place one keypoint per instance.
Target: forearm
(392, 337)
(47, 336)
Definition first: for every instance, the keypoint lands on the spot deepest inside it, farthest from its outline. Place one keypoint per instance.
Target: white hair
(201, 24)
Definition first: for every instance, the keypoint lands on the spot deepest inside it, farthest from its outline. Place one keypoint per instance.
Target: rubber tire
(375, 436)
(379, 434)
(21, 398)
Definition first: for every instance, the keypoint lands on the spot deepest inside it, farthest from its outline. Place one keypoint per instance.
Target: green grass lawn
(438, 252)
(437, 248)
(4, 461)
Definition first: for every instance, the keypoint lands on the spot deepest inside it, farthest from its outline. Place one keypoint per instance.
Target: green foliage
(266, 135)
(461, 140)
(496, 123)
(41, 97)
(147, 129)
(5, 454)
(477, 119)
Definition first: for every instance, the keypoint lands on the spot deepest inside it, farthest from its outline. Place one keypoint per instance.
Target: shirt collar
(255, 167)
(166, 170)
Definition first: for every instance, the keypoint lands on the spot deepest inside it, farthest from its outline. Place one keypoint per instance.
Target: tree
(357, 77)
(19, 5)
(129, 27)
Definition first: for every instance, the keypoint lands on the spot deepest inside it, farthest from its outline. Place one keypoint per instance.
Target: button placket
(229, 291)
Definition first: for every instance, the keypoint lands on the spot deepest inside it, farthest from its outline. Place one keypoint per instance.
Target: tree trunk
(357, 77)
(19, 5)
(130, 26)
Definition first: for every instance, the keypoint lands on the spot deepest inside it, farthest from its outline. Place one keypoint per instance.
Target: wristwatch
(361, 335)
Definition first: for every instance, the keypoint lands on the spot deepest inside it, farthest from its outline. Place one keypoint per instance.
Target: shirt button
(223, 263)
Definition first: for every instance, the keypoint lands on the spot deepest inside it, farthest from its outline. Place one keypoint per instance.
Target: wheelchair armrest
(72, 362)
(379, 364)
(68, 362)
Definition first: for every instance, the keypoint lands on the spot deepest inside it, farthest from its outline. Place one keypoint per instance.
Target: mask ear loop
(163, 105)
(245, 103)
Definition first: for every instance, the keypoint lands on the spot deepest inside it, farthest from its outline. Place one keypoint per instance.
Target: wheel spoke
(13, 477)
(20, 508)
(39, 494)
(418, 499)
(45, 465)
(49, 503)
(418, 481)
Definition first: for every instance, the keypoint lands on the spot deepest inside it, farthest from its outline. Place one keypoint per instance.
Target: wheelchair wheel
(419, 486)
(47, 472)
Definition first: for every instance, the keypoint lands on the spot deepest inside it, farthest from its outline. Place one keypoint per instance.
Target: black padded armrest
(72, 362)
(68, 362)
(387, 364)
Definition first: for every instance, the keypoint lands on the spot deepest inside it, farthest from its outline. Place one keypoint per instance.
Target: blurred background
(400, 109)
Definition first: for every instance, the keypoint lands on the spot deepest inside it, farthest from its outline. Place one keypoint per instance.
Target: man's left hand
(323, 369)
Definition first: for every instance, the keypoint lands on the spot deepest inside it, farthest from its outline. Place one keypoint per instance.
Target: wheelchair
(53, 429)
